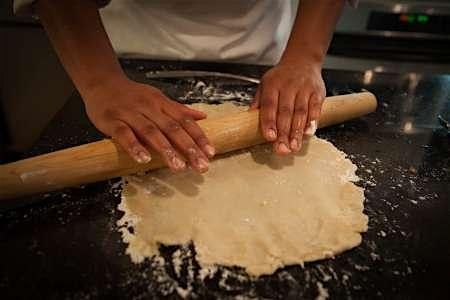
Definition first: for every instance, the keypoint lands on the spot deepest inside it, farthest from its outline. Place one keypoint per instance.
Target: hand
(290, 96)
(138, 116)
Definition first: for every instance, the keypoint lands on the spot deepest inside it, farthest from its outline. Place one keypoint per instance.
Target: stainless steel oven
(393, 36)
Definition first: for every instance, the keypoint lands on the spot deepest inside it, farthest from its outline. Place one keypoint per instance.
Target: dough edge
(139, 248)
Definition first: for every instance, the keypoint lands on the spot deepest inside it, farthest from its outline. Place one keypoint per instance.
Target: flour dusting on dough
(251, 209)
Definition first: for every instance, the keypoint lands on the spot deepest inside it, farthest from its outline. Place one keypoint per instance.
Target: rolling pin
(105, 159)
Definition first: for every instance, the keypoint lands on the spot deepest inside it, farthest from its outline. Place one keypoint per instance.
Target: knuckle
(317, 100)
(201, 139)
(301, 109)
(283, 130)
(284, 109)
(296, 129)
(268, 119)
(296, 133)
(296, 124)
(191, 151)
(194, 131)
(131, 144)
(121, 134)
(120, 130)
(186, 121)
(269, 111)
(268, 101)
(172, 127)
(167, 151)
(284, 127)
(149, 130)
(315, 107)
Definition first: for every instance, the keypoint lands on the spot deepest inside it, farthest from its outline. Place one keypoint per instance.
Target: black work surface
(66, 244)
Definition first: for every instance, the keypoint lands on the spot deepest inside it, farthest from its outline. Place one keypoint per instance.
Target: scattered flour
(322, 292)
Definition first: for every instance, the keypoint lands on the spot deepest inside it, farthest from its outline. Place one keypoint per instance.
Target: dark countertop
(66, 244)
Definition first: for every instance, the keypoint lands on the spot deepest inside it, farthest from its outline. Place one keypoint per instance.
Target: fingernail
(271, 134)
(202, 164)
(282, 148)
(294, 145)
(142, 157)
(178, 163)
(210, 150)
(311, 130)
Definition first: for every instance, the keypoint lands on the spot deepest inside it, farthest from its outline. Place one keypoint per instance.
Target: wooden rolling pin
(105, 159)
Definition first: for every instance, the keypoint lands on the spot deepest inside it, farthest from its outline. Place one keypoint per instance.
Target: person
(292, 36)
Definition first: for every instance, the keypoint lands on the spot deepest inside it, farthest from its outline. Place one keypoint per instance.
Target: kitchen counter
(66, 244)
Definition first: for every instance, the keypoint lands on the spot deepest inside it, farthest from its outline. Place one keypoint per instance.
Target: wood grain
(105, 159)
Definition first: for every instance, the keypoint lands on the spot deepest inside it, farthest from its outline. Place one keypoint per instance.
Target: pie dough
(251, 209)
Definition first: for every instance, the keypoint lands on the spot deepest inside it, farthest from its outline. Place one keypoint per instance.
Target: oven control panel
(400, 18)
(409, 22)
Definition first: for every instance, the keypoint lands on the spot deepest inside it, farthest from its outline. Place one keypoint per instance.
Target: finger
(298, 121)
(183, 142)
(314, 107)
(198, 136)
(125, 137)
(193, 113)
(255, 103)
(194, 131)
(150, 134)
(286, 103)
(314, 110)
(268, 113)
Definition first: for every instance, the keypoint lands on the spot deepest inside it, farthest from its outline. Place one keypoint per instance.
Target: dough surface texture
(251, 209)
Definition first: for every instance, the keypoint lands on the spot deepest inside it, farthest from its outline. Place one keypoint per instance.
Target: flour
(180, 212)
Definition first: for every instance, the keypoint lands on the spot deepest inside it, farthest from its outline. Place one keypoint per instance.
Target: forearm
(137, 116)
(77, 34)
(312, 31)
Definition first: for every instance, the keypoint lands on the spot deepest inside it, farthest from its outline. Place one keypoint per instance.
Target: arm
(136, 115)
(291, 93)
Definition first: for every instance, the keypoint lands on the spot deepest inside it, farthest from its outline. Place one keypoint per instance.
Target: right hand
(139, 116)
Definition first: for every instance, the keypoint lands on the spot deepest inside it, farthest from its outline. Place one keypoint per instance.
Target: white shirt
(246, 31)
(249, 31)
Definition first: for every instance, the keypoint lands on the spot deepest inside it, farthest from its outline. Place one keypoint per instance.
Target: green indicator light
(411, 18)
(423, 19)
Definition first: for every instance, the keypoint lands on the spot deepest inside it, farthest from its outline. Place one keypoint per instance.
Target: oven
(393, 36)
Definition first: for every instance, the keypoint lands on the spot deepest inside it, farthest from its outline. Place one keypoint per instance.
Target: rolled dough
(251, 209)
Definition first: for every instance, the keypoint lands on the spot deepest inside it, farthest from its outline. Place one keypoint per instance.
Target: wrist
(99, 83)
(303, 56)
(302, 63)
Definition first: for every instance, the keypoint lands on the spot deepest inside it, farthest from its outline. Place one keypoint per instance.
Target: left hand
(290, 96)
